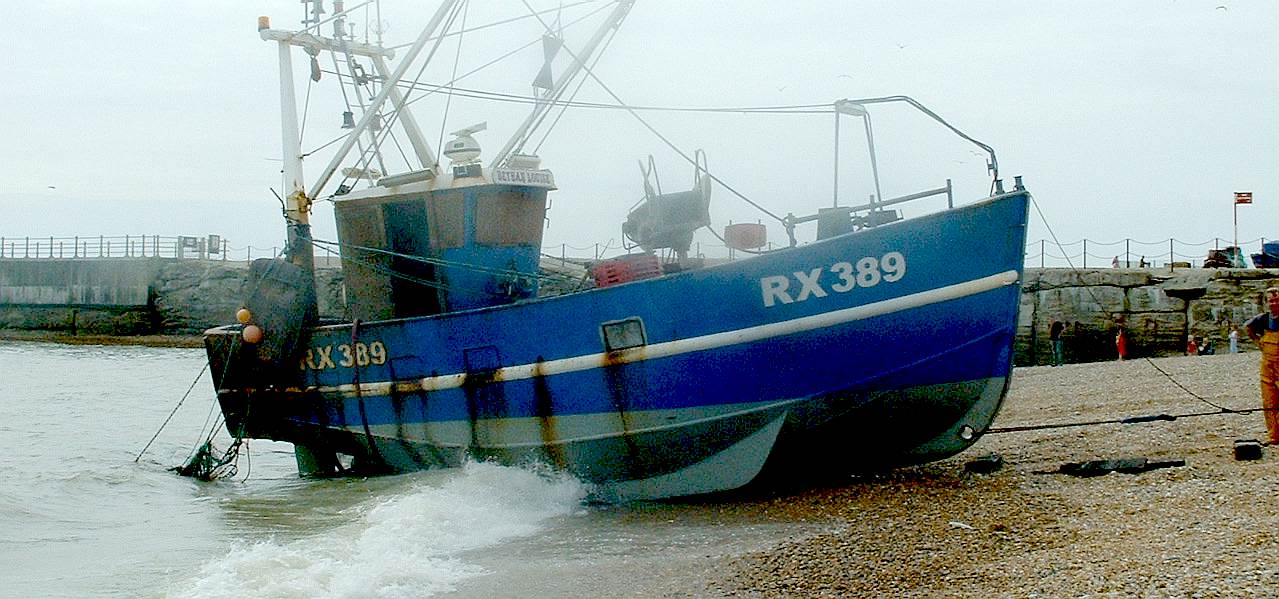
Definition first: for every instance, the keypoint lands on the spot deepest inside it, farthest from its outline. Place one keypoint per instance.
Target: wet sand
(89, 339)
(1208, 529)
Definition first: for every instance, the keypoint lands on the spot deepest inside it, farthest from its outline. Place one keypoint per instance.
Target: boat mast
(297, 205)
(579, 61)
(389, 87)
(298, 201)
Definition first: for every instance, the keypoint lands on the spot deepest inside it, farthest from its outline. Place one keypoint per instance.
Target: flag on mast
(1243, 197)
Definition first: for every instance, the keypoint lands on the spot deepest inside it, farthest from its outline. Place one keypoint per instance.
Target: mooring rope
(200, 463)
(1128, 420)
(1138, 419)
(174, 411)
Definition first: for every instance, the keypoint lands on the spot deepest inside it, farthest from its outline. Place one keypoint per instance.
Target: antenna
(311, 12)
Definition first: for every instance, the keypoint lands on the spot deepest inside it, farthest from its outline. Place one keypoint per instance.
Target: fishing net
(206, 464)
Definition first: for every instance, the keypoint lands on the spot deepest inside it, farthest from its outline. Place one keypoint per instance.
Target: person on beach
(1192, 346)
(1234, 339)
(1054, 336)
(1121, 343)
(1264, 329)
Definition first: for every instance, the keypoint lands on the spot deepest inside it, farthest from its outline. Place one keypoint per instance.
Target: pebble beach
(1209, 528)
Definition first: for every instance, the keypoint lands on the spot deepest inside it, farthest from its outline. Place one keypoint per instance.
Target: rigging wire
(390, 132)
(564, 108)
(532, 100)
(306, 108)
(815, 108)
(386, 127)
(365, 158)
(390, 271)
(435, 88)
(457, 58)
(475, 94)
(440, 261)
(589, 72)
(514, 19)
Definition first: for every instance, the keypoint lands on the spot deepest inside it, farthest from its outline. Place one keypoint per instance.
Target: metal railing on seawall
(180, 247)
(1131, 253)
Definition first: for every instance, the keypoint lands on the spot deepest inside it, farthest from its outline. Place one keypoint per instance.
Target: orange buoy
(252, 334)
(243, 316)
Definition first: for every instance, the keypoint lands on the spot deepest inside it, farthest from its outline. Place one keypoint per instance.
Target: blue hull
(884, 347)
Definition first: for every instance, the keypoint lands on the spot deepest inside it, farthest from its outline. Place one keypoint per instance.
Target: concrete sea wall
(138, 296)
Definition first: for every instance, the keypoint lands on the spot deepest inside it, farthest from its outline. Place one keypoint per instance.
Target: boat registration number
(345, 355)
(840, 277)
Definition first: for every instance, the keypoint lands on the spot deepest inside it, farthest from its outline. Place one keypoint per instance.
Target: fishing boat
(883, 341)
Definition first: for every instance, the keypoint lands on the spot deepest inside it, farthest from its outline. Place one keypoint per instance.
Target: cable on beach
(1135, 419)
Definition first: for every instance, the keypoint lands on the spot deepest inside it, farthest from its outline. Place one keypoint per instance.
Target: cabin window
(509, 218)
(448, 220)
(623, 334)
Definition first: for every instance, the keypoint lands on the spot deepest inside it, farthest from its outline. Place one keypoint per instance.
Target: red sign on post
(1243, 197)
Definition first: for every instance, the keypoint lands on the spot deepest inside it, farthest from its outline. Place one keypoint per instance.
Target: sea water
(82, 516)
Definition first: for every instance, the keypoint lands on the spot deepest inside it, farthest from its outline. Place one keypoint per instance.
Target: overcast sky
(1132, 119)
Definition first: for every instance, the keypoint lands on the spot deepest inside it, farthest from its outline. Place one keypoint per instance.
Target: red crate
(624, 269)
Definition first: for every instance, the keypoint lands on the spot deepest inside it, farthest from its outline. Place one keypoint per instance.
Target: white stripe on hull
(691, 344)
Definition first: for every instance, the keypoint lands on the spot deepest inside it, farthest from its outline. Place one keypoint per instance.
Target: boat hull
(879, 348)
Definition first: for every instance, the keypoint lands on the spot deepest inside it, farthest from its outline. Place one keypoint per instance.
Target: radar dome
(463, 148)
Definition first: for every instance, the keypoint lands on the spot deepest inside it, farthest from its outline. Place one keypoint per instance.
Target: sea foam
(410, 544)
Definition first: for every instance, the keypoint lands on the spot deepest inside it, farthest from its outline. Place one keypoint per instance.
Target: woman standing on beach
(1264, 329)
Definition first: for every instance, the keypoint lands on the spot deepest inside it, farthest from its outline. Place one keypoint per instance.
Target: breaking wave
(411, 544)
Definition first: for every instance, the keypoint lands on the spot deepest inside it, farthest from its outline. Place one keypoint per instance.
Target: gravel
(1206, 529)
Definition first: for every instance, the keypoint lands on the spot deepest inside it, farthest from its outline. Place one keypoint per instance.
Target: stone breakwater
(1159, 308)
